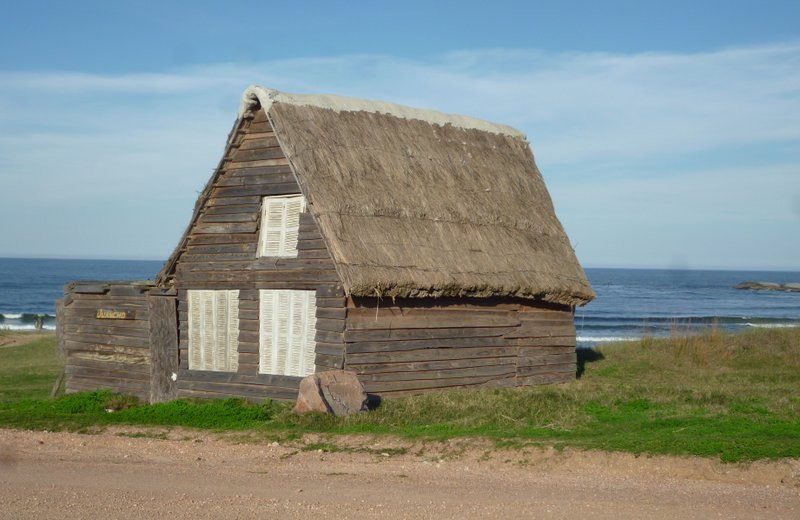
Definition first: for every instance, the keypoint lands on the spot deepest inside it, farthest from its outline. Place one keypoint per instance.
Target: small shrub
(117, 402)
(83, 403)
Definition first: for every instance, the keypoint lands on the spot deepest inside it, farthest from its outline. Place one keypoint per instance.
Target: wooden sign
(115, 314)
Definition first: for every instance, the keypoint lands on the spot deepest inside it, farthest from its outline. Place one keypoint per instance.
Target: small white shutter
(310, 332)
(219, 352)
(213, 330)
(281, 317)
(233, 331)
(195, 326)
(294, 206)
(266, 340)
(294, 343)
(207, 333)
(274, 330)
(280, 223)
(288, 326)
(272, 221)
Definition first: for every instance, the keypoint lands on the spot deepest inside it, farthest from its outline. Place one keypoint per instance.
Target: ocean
(630, 304)
(30, 286)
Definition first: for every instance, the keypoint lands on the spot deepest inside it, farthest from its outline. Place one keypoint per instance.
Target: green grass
(729, 396)
(87, 411)
(28, 371)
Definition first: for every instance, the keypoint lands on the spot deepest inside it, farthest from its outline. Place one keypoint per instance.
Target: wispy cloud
(71, 140)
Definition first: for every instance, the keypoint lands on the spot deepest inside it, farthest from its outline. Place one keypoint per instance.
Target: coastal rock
(338, 392)
(769, 286)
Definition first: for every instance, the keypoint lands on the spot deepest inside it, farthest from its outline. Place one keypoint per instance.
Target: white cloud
(72, 141)
(727, 195)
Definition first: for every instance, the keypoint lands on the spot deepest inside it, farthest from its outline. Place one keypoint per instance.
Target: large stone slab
(338, 392)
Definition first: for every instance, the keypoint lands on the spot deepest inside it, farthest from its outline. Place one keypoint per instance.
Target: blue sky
(667, 132)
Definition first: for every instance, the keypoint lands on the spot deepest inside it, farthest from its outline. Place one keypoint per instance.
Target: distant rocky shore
(770, 286)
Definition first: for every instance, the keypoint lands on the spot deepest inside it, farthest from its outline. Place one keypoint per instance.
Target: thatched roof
(415, 203)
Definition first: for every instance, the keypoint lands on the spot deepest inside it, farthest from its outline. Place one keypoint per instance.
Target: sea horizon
(584, 266)
(632, 302)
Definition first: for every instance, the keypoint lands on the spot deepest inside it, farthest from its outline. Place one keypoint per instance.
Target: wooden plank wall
(220, 253)
(408, 346)
(106, 353)
(545, 344)
(163, 348)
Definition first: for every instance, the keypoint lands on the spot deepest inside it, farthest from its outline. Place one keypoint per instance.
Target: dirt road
(194, 475)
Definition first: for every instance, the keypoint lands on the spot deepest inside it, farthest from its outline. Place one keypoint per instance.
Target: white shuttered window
(286, 339)
(280, 221)
(214, 330)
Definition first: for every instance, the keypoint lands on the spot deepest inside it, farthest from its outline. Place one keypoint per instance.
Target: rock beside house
(337, 392)
(769, 286)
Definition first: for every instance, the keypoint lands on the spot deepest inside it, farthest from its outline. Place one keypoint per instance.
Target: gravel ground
(196, 475)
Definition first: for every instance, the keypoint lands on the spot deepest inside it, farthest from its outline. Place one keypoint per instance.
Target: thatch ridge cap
(266, 97)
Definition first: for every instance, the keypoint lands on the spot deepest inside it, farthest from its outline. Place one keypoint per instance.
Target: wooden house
(119, 335)
(417, 249)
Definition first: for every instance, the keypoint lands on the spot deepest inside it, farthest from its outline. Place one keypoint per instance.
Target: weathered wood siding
(411, 346)
(163, 348)
(102, 352)
(220, 253)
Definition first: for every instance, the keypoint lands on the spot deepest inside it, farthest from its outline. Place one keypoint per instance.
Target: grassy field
(29, 371)
(729, 396)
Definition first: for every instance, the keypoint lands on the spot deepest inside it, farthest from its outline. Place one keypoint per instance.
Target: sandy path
(12, 339)
(195, 475)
